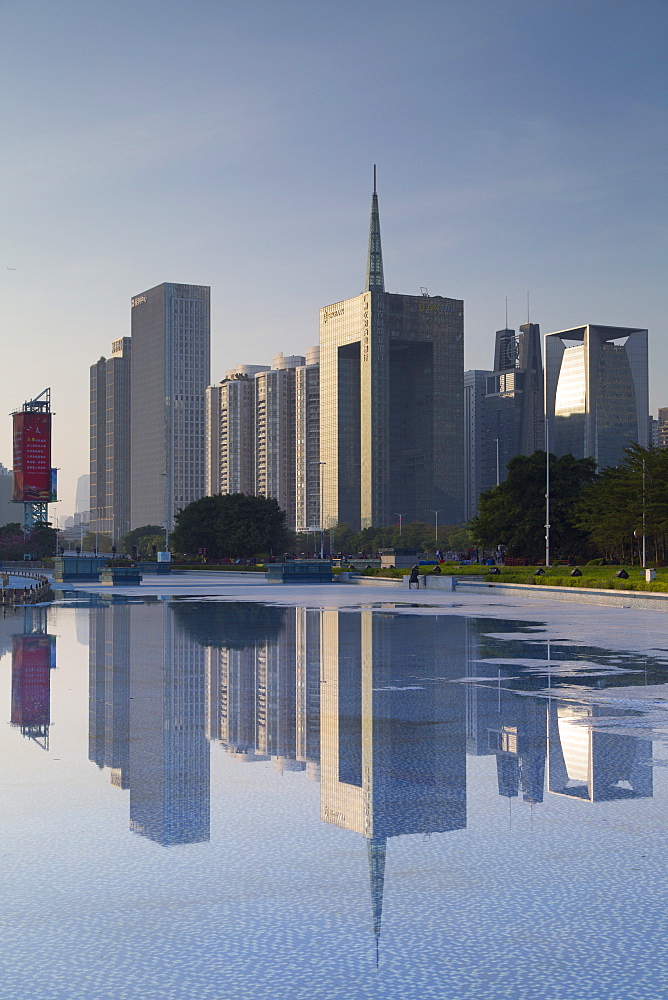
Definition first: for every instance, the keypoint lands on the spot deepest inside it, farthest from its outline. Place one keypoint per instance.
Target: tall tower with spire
(391, 403)
(375, 281)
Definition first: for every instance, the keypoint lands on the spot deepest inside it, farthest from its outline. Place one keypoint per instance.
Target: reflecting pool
(217, 799)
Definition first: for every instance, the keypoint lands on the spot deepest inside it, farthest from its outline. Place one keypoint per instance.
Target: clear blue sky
(520, 146)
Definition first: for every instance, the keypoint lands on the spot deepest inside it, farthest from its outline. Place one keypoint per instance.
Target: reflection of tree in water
(229, 625)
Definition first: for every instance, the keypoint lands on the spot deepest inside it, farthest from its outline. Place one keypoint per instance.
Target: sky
(521, 147)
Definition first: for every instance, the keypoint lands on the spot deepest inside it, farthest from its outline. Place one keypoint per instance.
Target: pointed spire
(376, 849)
(374, 266)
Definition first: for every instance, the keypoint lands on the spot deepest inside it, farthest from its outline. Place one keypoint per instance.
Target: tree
(144, 539)
(232, 524)
(12, 543)
(99, 540)
(626, 501)
(513, 513)
(40, 542)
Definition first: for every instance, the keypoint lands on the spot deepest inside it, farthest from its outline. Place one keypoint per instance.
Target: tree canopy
(232, 524)
(39, 542)
(513, 513)
(626, 501)
(144, 538)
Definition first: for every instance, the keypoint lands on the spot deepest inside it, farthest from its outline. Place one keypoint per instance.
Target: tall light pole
(436, 512)
(497, 459)
(547, 493)
(322, 509)
(166, 477)
(401, 517)
(644, 549)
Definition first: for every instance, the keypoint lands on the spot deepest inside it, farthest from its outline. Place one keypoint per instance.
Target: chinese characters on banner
(32, 457)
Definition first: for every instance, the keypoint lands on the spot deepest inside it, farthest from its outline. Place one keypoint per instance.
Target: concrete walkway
(622, 628)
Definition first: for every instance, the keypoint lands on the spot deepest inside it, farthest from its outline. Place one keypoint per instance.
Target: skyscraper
(275, 472)
(514, 421)
(391, 412)
(307, 442)
(230, 432)
(596, 391)
(170, 373)
(477, 472)
(110, 441)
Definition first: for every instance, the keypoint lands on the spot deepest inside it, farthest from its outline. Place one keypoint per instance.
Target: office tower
(110, 442)
(82, 500)
(478, 475)
(391, 384)
(662, 428)
(275, 474)
(596, 391)
(7, 508)
(514, 412)
(652, 432)
(307, 442)
(170, 373)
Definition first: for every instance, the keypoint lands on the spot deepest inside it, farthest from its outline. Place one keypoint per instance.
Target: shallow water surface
(210, 799)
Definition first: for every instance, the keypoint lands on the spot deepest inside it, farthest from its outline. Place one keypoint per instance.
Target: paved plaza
(624, 628)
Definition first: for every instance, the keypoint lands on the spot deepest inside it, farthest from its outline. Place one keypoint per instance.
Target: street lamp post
(401, 517)
(644, 548)
(547, 493)
(497, 460)
(436, 512)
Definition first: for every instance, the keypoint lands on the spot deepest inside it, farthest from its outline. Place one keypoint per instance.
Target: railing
(23, 595)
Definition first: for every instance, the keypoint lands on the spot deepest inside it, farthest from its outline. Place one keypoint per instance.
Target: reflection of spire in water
(376, 851)
(392, 730)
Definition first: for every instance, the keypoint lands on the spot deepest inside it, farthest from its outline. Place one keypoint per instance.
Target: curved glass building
(596, 391)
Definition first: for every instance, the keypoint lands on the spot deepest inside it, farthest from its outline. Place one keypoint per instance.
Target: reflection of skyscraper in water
(586, 762)
(109, 691)
(263, 700)
(231, 691)
(392, 733)
(512, 727)
(307, 645)
(276, 718)
(169, 752)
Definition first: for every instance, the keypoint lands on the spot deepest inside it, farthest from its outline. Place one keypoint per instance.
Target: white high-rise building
(170, 373)
(230, 432)
(275, 474)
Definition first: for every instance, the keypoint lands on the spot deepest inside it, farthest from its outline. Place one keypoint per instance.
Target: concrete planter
(120, 576)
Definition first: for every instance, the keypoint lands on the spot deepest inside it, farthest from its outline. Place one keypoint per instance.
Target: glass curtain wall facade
(596, 391)
(170, 373)
(392, 428)
(477, 475)
(514, 410)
